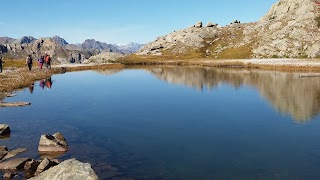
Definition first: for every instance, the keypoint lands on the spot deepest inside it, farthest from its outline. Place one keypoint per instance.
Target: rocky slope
(291, 28)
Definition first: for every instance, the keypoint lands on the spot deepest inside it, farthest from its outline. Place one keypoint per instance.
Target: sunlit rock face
(286, 92)
(288, 29)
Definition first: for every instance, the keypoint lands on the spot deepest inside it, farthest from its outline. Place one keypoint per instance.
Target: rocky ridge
(59, 49)
(289, 29)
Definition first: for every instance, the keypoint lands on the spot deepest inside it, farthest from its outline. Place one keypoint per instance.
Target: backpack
(41, 60)
(47, 58)
(29, 60)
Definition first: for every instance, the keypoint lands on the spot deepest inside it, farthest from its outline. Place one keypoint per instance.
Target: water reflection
(299, 97)
(44, 83)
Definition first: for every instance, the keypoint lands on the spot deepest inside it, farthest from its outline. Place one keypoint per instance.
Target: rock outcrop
(290, 29)
(105, 57)
(4, 129)
(70, 169)
(60, 41)
(181, 41)
(52, 143)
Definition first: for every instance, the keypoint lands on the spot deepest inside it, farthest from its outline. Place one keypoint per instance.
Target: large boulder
(52, 143)
(198, 25)
(71, 169)
(4, 129)
(211, 24)
(106, 57)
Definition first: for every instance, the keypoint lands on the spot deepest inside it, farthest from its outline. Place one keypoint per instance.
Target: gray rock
(71, 169)
(44, 165)
(8, 175)
(14, 164)
(4, 129)
(55, 143)
(13, 153)
(14, 104)
(210, 24)
(3, 151)
(31, 165)
(198, 25)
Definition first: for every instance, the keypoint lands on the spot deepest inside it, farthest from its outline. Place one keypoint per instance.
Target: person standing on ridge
(1, 62)
(29, 62)
(79, 58)
(47, 58)
(41, 61)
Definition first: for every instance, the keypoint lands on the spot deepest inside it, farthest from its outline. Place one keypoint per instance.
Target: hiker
(41, 61)
(47, 58)
(72, 60)
(79, 58)
(29, 62)
(1, 62)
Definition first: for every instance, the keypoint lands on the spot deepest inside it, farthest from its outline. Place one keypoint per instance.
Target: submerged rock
(14, 104)
(55, 143)
(71, 169)
(13, 153)
(14, 164)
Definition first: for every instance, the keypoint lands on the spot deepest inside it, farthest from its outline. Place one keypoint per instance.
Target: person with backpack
(29, 62)
(47, 58)
(41, 61)
(1, 62)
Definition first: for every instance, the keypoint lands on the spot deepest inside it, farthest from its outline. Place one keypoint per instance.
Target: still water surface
(177, 122)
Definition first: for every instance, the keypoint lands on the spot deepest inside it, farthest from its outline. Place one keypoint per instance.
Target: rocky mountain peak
(60, 41)
(24, 40)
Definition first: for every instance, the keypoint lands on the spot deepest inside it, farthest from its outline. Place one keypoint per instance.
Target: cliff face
(289, 29)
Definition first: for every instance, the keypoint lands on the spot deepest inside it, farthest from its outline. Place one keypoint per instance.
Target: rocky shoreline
(42, 169)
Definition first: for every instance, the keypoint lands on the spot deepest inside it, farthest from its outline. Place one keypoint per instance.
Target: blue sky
(120, 21)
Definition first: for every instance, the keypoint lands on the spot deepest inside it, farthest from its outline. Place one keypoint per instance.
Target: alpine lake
(176, 123)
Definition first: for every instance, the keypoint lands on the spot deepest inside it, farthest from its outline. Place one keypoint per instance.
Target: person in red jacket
(47, 59)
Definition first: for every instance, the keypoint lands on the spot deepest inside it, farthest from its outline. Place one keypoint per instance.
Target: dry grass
(15, 77)
(14, 63)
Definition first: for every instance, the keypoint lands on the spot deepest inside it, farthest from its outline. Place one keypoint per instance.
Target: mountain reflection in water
(287, 93)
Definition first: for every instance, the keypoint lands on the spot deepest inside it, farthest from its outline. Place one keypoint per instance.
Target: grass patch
(14, 63)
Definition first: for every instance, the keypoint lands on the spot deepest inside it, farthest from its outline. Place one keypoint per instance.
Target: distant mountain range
(59, 48)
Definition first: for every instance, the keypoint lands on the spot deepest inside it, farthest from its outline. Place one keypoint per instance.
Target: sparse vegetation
(15, 77)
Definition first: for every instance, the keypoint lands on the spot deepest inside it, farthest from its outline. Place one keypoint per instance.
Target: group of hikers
(46, 59)
(73, 60)
(43, 60)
